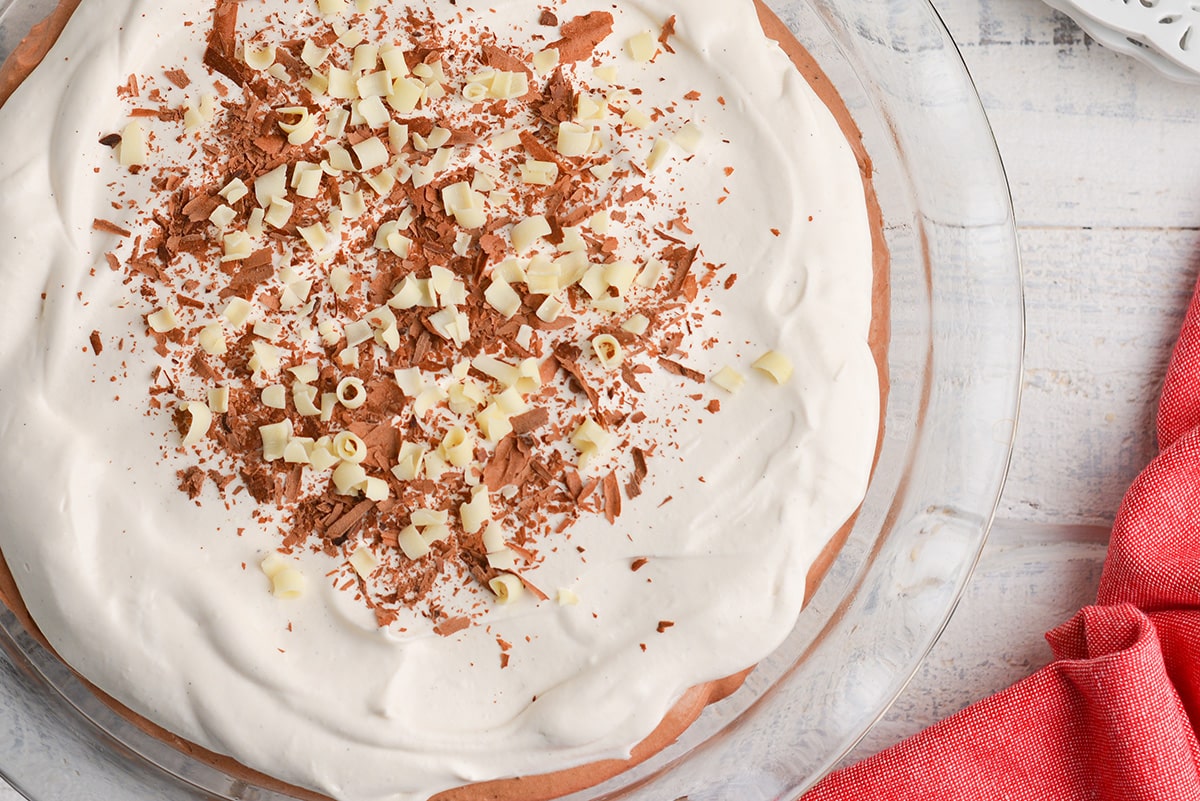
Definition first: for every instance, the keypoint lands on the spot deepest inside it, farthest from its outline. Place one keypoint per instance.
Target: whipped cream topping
(158, 599)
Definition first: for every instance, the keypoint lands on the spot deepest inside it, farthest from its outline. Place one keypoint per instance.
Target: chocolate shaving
(536, 149)
(221, 53)
(421, 348)
(200, 208)
(541, 471)
(179, 78)
(190, 302)
(350, 519)
(612, 497)
(219, 62)
(639, 563)
(291, 485)
(271, 144)
(548, 18)
(202, 368)
(663, 625)
(191, 481)
(220, 479)
(532, 420)
(668, 30)
(493, 246)
(630, 378)
(664, 235)
(634, 487)
(97, 344)
(111, 140)
(581, 35)
(259, 482)
(164, 114)
(558, 100)
(500, 59)
(566, 356)
(588, 488)
(382, 441)
(254, 270)
(683, 265)
(107, 227)
(674, 367)
(451, 626)
(574, 484)
(509, 464)
(533, 588)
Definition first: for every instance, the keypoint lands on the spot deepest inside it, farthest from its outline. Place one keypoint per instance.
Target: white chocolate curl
(608, 351)
(574, 139)
(275, 437)
(591, 440)
(349, 478)
(258, 58)
(527, 232)
(642, 47)
(201, 419)
(776, 365)
(458, 447)
(349, 447)
(351, 393)
(478, 511)
(237, 312)
(363, 562)
(508, 588)
(132, 150)
(546, 60)
(729, 379)
(412, 543)
(162, 321)
(218, 400)
(300, 124)
(287, 582)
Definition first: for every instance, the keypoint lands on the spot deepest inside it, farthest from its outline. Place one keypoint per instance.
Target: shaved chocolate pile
(310, 289)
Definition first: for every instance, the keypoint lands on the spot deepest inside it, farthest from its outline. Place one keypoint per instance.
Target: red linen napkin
(1114, 716)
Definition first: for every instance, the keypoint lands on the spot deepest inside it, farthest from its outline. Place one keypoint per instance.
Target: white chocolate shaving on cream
(508, 588)
(199, 421)
(287, 582)
(776, 365)
(729, 379)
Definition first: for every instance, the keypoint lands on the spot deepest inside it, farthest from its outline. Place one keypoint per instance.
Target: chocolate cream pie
(435, 400)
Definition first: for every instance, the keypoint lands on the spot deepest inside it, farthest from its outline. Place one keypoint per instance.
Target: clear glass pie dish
(955, 369)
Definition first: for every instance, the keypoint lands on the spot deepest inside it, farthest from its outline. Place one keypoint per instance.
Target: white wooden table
(1104, 160)
(1103, 156)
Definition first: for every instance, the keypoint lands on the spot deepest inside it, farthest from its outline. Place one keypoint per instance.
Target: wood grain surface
(1101, 154)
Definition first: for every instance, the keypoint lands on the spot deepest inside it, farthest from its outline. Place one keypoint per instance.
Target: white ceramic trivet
(1164, 34)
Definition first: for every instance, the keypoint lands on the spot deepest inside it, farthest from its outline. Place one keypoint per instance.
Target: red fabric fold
(1179, 406)
(1102, 722)
(1154, 552)
(1134, 734)
(1115, 715)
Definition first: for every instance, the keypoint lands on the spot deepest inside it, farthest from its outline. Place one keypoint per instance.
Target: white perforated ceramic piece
(1164, 34)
